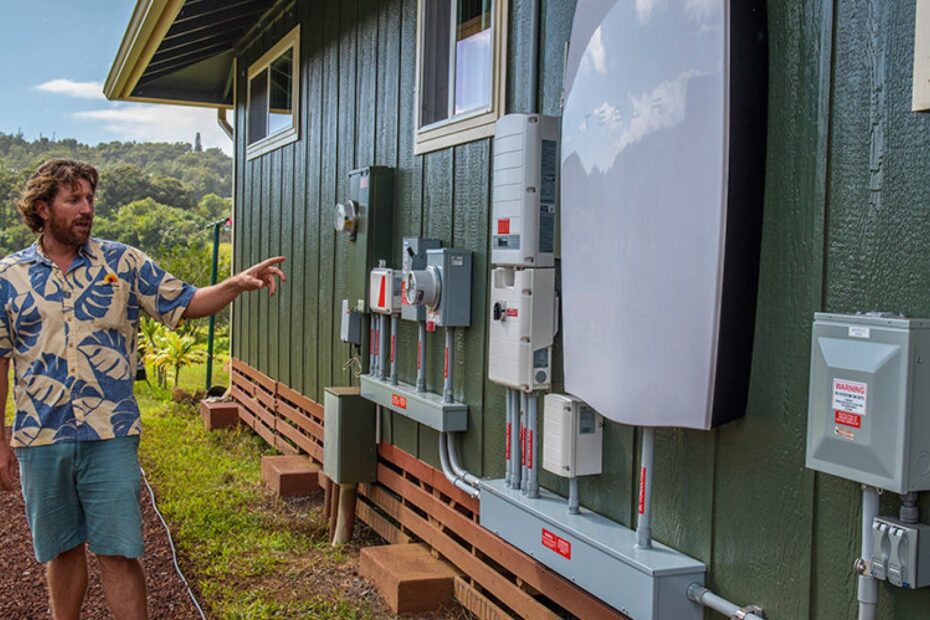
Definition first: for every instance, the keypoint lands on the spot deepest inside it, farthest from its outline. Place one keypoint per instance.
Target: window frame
(291, 134)
(474, 124)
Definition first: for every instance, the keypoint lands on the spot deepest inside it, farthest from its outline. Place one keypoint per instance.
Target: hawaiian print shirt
(72, 337)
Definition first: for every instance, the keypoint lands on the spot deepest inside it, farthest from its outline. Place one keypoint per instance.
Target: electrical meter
(525, 189)
(384, 290)
(573, 439)
(414, 259)
(868, 417)
(522, 328)
(443, 288)
(346, 219)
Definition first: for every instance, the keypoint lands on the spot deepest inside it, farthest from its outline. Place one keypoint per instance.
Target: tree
(119, 185)
(211, 207)
(178, 351)
(198, 148)
(152, 227)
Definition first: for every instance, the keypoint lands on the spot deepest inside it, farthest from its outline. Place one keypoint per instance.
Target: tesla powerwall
(663, 152)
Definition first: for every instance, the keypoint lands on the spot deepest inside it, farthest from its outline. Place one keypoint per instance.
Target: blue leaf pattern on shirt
(39, 274)
(150, 277)
(124, 416)
(48, 385)
(95, 301)
(28, 323)
(105, 351)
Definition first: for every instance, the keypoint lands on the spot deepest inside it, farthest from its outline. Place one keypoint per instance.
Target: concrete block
(219, 414)
(409, 579)
(290, 476)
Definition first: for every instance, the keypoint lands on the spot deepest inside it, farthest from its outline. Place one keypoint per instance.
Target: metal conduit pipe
(450, 475)
(508, 426)
(644, 523)
(524, 475)
(534, 56)
(868, 586)
(383, 349)
(394, 349)
(516, 473)
(456, 463)
(573, 496)
(448, 364)
(421, 352)
(532, 446)
(372, 346)
(704, 597)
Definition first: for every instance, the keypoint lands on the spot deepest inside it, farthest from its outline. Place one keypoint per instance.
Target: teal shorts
(80, 492)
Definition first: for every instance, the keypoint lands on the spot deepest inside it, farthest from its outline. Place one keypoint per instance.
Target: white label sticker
(857, 331)
(850, 396)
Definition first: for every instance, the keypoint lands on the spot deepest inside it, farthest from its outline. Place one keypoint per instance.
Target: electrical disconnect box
(350, 452)
(523, 327)
(366, 221)
(385, 291)
(526, 165)
(443, 288)
(901, 552)
(414, 259)
(573, 439)
(869, 404)
(350, 327)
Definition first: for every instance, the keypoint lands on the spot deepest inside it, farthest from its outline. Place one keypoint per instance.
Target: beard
(70, 233)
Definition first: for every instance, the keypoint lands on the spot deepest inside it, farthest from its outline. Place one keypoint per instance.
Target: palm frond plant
(176, 352)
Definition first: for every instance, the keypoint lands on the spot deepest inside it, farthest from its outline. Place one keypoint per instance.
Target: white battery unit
(523, 326)
(384, 291)
(573, 437)
(525, 189)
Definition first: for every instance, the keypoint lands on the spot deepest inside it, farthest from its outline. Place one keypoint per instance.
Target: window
(272, 105)
(460, 71)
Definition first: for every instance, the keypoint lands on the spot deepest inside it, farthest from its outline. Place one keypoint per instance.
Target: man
(69, 313)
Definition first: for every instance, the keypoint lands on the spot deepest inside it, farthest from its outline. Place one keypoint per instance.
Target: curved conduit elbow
(451, 476)
(457, 468)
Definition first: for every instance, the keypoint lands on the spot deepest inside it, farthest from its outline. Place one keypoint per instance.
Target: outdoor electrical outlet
(901, 552)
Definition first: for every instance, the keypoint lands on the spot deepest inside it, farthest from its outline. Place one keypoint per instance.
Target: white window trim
(476, 124)
(291, 134)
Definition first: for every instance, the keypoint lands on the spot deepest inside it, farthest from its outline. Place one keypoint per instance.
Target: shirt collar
(35, 253)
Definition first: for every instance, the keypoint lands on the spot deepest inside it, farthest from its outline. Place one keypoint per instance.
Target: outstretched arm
(212, 299)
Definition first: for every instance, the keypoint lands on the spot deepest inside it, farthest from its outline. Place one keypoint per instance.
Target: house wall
(846, 228)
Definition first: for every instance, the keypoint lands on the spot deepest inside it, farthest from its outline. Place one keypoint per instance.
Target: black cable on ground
(174, 553)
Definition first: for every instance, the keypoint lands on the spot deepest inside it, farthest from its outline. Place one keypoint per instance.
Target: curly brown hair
(43, 186)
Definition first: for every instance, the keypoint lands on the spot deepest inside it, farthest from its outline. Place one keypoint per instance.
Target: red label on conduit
(431, 326)
(849, 419)
(642, 490)
(375, 341)
(445, 364)
(557, 543)
(512, 312)
(419, 355)
(507, 440)
(398, 401)
(522, 445)
(503, 226)
(529, 450)
(381, 299)
(392, 347)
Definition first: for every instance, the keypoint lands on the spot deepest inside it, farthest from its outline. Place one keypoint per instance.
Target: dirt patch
(23, 591)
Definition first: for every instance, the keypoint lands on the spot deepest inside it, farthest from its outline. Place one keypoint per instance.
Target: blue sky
(55, 56)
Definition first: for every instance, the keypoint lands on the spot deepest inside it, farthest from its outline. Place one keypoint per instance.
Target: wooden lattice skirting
(413, 501)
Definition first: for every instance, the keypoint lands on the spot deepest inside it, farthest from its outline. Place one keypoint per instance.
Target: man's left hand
(261, 275)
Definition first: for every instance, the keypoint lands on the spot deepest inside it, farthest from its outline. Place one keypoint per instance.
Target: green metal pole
(213, 276)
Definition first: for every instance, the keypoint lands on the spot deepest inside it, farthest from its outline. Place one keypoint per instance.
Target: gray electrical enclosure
(869, 405)
(350, 452)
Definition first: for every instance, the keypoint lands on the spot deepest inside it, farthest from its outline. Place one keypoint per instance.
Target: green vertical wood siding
(846, 228)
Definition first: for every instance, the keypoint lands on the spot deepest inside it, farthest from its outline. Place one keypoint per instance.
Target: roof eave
(150, 22)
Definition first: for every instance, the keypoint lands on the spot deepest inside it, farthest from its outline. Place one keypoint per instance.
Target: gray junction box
(869, 404)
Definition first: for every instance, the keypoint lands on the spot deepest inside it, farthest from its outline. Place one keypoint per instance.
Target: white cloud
(699, 10)
(596, 56)
(160, 123)
(80, 90)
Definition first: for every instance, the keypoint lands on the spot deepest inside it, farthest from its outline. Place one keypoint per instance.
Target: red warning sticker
(503, 226)
(529, 449)
(398, 401)
(642, 490)
(849, 419)
(512, 312)
(507, 440)
(557, 543)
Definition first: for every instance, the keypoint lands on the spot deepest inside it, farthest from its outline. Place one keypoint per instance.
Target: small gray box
(454, 266)
(414, 259)
(350, 454)
(869, 405)
(901, 552)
